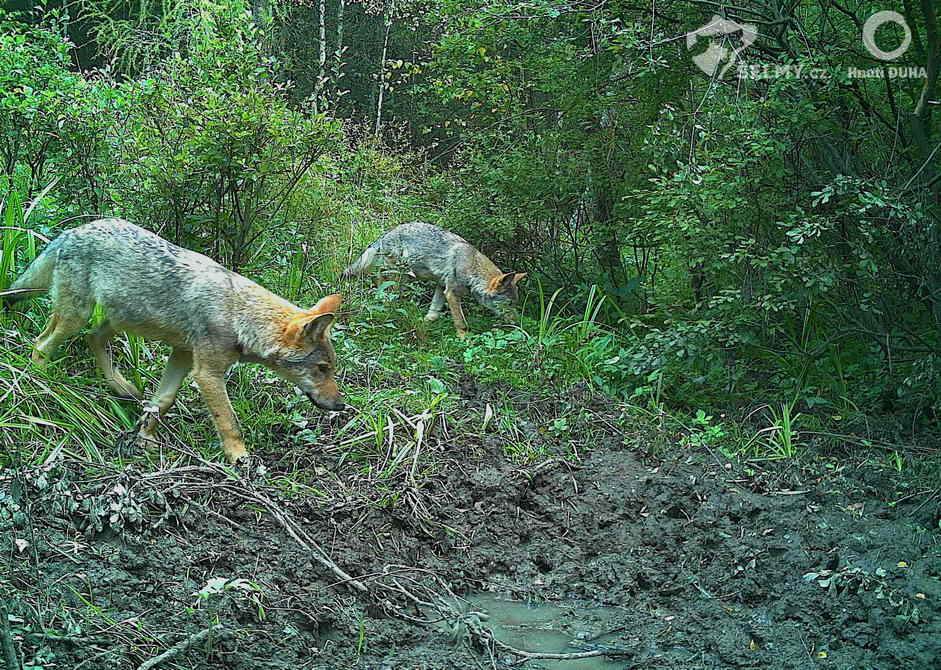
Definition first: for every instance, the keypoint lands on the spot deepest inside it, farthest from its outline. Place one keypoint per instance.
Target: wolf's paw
(143, 435)
(251, 468)
(432, 316)
(38, 359)
(144, 440)
(127, 391)
(131, 442)
(234, 450)
(123, 388)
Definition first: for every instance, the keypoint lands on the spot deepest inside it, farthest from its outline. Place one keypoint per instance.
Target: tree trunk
(922, 133)
(259, 13)
(608, 245)
(382, 68)
(338, 53)
(322, 60)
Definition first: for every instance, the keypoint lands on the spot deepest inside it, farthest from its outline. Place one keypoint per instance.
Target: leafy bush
(53, 121)
(212, 150)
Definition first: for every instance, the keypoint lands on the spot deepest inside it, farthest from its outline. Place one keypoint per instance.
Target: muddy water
(551, 628)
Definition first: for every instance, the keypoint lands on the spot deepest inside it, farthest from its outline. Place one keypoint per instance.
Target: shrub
(212, 149)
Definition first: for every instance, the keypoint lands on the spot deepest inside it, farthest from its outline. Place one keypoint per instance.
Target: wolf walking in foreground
(212, 317)
(449, 260)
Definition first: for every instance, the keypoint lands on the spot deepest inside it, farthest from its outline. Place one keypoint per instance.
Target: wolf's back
(417, 242)
(136, 276)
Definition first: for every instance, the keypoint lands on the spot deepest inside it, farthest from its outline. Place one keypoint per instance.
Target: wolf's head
(501, 294)
(307, 358)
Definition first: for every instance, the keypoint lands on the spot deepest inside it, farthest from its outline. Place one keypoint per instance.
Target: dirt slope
(704, 565)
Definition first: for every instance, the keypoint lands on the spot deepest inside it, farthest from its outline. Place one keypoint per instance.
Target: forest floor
(648, 551)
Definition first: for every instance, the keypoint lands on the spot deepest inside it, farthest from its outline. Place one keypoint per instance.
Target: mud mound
(706, 566)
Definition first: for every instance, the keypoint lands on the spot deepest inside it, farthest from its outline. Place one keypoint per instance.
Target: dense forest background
(733, 240)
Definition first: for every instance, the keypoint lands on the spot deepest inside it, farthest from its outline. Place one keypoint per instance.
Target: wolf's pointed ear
(498, 283)
(506, 281)
(517, 276)
(329, 304)
(318, 327)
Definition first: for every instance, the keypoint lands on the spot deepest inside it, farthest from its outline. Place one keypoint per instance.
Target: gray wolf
(434, 254)
(211, 316)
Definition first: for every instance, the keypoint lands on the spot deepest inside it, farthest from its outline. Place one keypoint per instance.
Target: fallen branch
(299, 534)
(486, 635)
(237, 488)
(471, 622)
(180, 647)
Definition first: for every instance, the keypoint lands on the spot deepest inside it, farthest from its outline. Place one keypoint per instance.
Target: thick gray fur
(434, 254)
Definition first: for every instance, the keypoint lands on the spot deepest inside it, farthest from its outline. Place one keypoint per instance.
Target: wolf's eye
(323, 367)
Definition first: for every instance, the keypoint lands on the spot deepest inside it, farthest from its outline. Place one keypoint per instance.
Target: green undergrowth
(516, 384)
(521, 385)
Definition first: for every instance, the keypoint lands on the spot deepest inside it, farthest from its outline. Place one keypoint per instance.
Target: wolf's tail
(37, 278)
(363, 263)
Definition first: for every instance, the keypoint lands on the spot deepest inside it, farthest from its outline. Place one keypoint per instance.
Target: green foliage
(18, 242)
(52, 120)
(213, 149)
(705, 433)
(743, 256)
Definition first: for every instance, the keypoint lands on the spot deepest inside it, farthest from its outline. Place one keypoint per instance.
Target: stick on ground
(180, 647)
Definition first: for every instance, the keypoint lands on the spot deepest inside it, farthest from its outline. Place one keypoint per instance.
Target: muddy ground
(701, 563)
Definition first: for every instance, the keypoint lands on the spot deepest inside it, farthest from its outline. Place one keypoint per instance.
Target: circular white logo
(872, 25)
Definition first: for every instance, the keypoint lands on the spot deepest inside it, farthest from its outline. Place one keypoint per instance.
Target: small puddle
(552, 628)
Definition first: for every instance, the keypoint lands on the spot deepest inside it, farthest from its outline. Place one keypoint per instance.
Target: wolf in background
(211, 316)
(458, 269)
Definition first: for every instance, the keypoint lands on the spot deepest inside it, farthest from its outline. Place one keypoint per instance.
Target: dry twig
(180, 647)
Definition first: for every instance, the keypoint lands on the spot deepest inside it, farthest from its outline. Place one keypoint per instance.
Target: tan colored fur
(211, 317)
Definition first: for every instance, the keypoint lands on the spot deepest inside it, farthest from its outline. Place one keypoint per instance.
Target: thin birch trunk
(259, 13)
(322, 64)
(382, 68)
(338, 54)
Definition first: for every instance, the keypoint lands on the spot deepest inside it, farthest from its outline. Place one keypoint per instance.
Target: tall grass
(17, 240)
(41, 411)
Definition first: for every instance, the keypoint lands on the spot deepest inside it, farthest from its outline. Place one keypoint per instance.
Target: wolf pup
(212, 317)
(447, 259)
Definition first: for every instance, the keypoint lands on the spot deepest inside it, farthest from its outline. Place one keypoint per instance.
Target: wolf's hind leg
(100, 344)
(437, 305)
(47, 331)
(179, 365)
(362, 265)
(57, 331)
(70, 311)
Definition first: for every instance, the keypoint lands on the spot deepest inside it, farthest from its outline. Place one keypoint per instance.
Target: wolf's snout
(336, 405)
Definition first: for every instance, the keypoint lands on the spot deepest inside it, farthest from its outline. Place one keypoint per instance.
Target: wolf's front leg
(211, 382)
(100, 344)
(457, 314)
(179, 365)
(437, 305)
